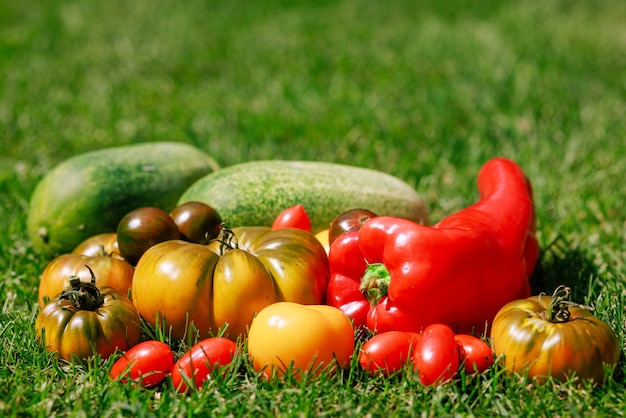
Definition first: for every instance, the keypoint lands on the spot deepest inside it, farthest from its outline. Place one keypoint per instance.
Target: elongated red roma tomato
(388, 352)
(436, 355)
(148, 364)
(200, 361)
(476, 355)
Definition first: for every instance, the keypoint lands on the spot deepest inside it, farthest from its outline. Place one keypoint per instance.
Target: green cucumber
(89, 193)
(254, 193)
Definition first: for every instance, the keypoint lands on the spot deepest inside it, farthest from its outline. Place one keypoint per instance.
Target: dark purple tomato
(142, 228)
(350, 220)
(197, 222)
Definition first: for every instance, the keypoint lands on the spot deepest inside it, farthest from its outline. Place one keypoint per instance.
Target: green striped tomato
(85, 320)
(545, 336)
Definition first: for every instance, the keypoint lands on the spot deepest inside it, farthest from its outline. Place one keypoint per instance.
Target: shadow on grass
(561, 263)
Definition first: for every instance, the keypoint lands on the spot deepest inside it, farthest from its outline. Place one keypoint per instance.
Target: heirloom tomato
(180, 284)
(99, 244)
(302, 339)
(147, 364)
(85, 320)
(543, 336)
(388, 352)
(293, 217)
(110, 271)
(197, 364)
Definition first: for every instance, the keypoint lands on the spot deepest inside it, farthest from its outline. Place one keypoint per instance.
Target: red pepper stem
(375, 282)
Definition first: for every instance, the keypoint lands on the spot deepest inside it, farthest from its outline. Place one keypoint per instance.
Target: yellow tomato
(322, 237)
(303, 339)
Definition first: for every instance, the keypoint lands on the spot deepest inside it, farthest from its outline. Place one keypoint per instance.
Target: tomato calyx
(375, 282)
(83, 295)
(558, 308)
(227, 239)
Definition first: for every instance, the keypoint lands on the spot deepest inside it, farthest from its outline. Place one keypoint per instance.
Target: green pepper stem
(83, 295)
(375, 282)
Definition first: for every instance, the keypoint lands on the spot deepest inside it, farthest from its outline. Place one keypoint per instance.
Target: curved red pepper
(459, 272)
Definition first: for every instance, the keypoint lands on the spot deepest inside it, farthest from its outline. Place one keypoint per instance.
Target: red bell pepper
(395, 274)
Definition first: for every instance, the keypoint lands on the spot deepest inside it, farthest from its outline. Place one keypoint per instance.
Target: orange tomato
(301, 339)
(109, 271)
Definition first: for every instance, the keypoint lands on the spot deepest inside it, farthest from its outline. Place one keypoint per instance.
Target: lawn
(427, 91)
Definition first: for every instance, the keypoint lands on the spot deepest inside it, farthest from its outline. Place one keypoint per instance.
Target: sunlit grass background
(424, 90)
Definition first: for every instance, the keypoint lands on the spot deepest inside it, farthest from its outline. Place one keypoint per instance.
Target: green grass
(427, 91)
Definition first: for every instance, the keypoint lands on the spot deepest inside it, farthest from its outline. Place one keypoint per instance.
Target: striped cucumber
(89, 193)
(254, 193)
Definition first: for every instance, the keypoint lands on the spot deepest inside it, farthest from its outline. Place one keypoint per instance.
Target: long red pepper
(394, 274)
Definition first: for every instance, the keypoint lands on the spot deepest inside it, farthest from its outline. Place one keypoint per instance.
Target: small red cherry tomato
(388, 352)
(476, 355)
(147, 364)
(293, 217)
(436, 355)
(197, 364)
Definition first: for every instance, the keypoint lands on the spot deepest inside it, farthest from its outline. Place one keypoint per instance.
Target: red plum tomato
(388, 352)
(476, 355)
(198, 363)
(147, 363)
(436, 355)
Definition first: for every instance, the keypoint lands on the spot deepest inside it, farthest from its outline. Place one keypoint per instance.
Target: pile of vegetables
(272, 262)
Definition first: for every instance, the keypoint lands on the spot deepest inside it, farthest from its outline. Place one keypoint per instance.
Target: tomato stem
(558, 308)
(227, 239)
(83, 295)
(375, 282)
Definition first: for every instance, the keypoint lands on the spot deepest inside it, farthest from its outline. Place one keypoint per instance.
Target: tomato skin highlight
(198, 363)
(293, 217)
(388, 352)
(436, 356)
(147, 363)
(304, 339)
(476, 355)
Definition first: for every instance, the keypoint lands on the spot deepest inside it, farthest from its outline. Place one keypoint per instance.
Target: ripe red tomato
(476, 355)
(197, 364)
(388, 352)
(436, 355)
(293, 217)
(147, 364)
